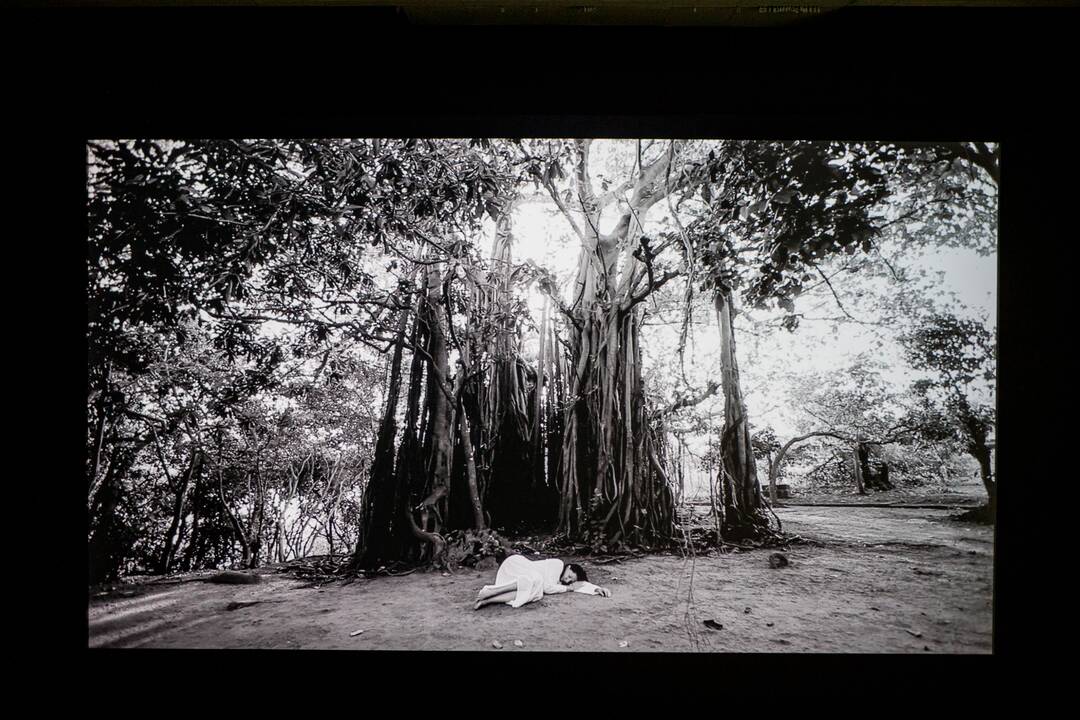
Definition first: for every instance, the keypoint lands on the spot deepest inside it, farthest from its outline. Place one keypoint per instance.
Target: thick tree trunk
(982, 455)
(424, 460)
(433, 539)
(883, 477)
(440, 440)
(864, 463)
(977, 429)
(503, 403)
(613, 487)
(772, 479)
(379, 495)
(856, 458)
(872, 480)
(470, 471)
(410, 465)
(744, 507)
(461, 422)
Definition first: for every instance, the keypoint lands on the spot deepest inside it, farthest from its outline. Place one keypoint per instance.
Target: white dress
(535, 578)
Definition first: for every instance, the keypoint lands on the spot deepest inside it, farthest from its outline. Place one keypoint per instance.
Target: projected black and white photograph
(542, 394)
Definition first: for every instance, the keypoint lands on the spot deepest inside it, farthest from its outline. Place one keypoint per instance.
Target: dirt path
(887, 580)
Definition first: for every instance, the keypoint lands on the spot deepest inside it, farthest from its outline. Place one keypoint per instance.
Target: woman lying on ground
(521, 581)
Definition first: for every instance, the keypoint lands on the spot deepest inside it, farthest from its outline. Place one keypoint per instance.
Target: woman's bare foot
(479, 604)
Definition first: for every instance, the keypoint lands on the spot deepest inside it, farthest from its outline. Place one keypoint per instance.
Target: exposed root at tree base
(485, 550)
(756, 537)
(319, 569)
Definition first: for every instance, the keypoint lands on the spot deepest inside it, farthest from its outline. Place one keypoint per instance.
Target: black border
(998, 74)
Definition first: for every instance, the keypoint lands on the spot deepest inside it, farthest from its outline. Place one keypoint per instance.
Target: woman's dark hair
(579, 571)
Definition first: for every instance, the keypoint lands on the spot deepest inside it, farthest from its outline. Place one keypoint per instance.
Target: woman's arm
(587, 587)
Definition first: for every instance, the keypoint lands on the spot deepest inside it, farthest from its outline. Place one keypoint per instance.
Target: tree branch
(833, 290)
(987, 160)
(608, 197)
(653, 286)
(684, 402)
(585, 191)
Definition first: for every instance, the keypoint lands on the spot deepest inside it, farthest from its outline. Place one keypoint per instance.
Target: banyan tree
(567, 440)
(517, 406)
(470, 450)
(570, 440)
(612, 482)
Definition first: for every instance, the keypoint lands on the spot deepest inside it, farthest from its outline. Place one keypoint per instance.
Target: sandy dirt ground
(883, 580)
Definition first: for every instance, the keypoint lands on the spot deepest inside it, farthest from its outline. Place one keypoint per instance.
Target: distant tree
(957, 400)
(854, 405)
(766, 445)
